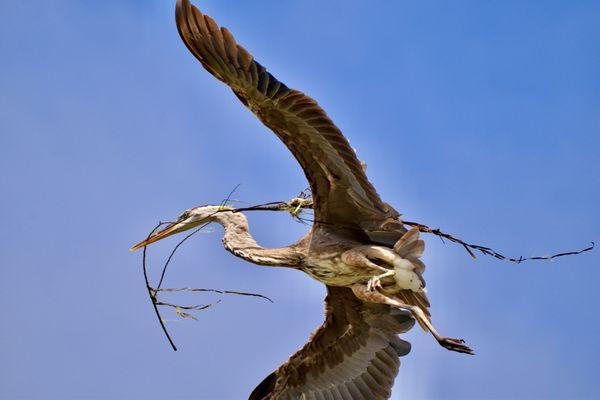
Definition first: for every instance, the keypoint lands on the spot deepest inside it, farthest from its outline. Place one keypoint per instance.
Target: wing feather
(353, 355)
(342, 194)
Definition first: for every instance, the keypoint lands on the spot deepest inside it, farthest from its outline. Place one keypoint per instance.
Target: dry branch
(295, 208)
(154, 292)
(303, 202)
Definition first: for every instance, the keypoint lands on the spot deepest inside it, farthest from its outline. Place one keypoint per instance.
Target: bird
(357, 245)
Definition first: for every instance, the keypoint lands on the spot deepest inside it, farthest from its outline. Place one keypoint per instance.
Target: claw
(374, 284)
(456, 345)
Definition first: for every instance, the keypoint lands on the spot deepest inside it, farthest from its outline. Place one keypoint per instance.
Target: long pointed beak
(168, 231)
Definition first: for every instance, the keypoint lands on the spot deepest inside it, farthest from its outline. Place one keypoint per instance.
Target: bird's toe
(457, 345)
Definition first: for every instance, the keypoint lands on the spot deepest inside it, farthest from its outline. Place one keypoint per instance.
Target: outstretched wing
(342, 194)
(354, 355)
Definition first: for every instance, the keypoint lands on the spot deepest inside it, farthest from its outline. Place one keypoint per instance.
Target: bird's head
(187, 220)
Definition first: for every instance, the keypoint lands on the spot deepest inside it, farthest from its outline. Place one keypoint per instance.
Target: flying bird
(357, 246)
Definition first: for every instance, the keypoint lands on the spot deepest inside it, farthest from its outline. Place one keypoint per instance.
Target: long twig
(295, 207)
(197, 308)
(152, 294)
(300, 203)
(164, 270)
(469, 247)
(186, 289)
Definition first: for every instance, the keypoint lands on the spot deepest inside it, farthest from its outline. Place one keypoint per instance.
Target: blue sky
(482, 118)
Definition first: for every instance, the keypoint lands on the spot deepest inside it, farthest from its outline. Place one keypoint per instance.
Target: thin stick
(294, 207)
(197, 308)
(186, 289)
(488, 251)
(469, 247)
(164, 270)
(226, 200)
(153, 295)
(153, 292)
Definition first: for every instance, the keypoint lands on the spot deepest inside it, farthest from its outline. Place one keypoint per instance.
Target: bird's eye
(184, 215)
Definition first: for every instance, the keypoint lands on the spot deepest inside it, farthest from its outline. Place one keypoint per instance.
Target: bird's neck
(239, 241)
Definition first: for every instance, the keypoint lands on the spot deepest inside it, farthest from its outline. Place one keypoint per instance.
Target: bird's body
(327, 267)
(357, 246)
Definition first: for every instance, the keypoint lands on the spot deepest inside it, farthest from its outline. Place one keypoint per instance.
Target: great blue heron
(358, 245)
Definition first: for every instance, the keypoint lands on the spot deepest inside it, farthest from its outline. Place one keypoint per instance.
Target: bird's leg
(359, 257)
(401, 269)
(363, 293)
(375, 282)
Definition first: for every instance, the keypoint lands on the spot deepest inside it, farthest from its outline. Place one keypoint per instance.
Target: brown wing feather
(342, 194)
(354, 355)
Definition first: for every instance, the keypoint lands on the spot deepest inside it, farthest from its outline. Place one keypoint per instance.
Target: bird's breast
(330, 270)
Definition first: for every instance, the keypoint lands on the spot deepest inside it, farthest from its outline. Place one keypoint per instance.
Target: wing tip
(265, 388)
(180, 7)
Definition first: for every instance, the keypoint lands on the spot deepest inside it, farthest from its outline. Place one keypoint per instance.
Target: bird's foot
(457, 345)
(374, 284)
